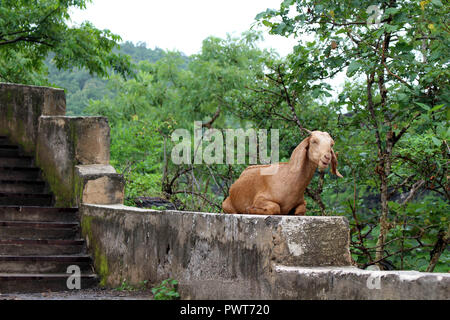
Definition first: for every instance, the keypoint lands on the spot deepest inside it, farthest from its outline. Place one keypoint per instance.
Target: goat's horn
(307, 131)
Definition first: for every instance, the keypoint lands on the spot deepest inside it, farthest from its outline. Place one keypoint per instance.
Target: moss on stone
(9, 112)
(100, 259)
(101, 266)
(61, 185)
(63, 194)
(22, 138)
(78, 187)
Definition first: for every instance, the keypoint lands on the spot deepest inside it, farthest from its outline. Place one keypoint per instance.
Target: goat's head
(321, 151)
(318, 147)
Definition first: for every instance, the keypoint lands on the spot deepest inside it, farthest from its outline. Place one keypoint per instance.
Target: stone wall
(219, 256)
(20, 109)
(325, 283)
(65, 145)
(33, 117)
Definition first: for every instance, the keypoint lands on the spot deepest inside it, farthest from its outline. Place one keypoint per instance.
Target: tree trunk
(384, 172)
(441, 244)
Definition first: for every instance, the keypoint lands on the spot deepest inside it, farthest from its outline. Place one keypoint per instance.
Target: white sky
(180, 24)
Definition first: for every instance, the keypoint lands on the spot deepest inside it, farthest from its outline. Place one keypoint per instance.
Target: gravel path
(88, 294)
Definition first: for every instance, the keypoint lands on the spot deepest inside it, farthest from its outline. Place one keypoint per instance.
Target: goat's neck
(303, 175)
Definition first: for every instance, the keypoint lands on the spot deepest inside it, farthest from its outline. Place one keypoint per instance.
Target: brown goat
(256, 192)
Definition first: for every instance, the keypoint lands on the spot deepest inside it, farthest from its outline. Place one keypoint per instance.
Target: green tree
(398, 68)
(31, 29)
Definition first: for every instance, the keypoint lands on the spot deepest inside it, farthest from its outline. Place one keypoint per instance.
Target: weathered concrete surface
(99, 184)
(33, 117)
(219, 256)
(212, 255)
(63, 143)
(355, 284)
(20, 109)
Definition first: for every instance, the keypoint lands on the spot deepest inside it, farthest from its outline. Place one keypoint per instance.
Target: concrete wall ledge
(212, 255)
(350, 283)
(99, 184)
(220, 256)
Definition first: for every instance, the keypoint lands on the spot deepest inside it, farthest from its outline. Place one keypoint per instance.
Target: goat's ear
(299, 155)
(334, 163)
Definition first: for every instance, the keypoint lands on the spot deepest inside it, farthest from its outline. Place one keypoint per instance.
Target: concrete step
(37, 242)
(29, 247)
(22, 186)
(7, 145)
(39, 230)
(44, 264)
(26, 199)
(20, 173)
(17, 282)
(43, 214)
(9, 151)
(20, 161)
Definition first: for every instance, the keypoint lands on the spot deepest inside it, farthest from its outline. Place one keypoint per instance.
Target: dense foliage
(389, 118)
(30, 30)
(82, 86)
(397, 98)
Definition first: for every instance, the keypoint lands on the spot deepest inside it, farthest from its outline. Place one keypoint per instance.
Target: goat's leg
(228, 207)
(300, 210)
(264, 206)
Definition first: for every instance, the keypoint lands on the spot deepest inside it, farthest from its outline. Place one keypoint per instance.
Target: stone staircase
(38, 242)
